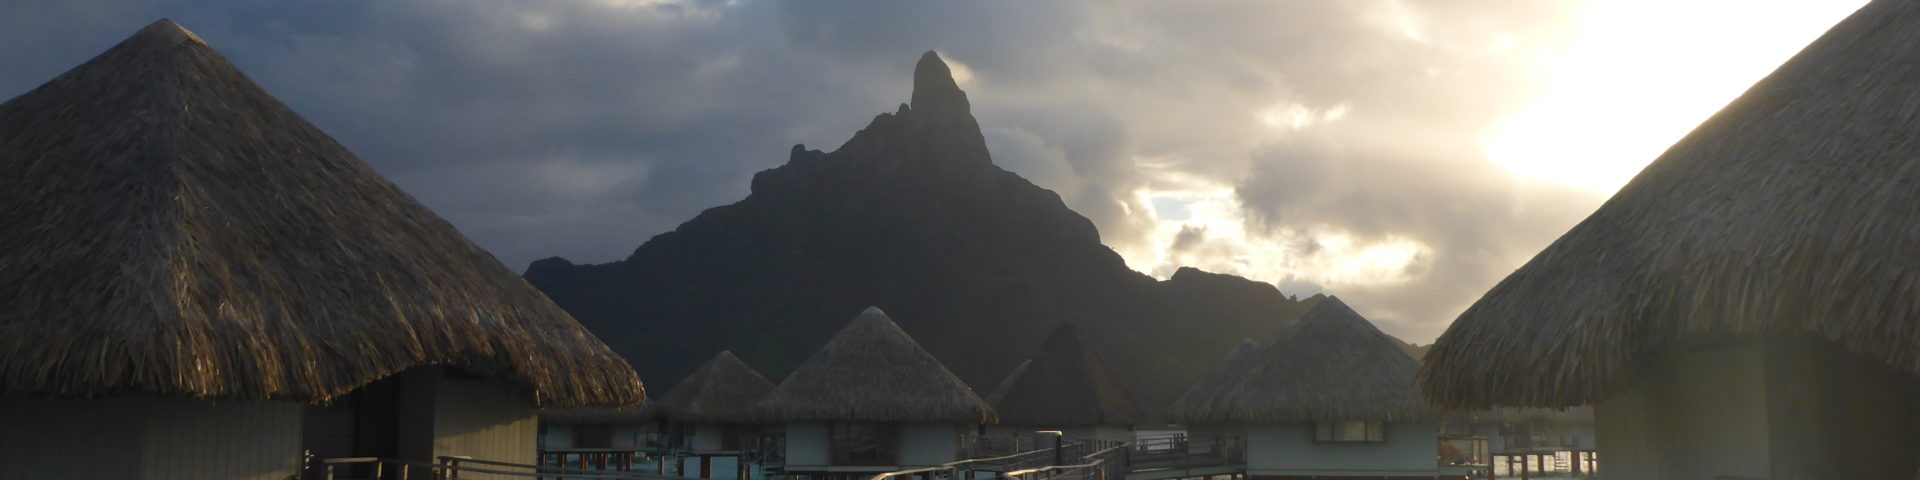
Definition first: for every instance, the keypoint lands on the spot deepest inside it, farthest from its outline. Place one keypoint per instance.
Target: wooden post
(1524, 474)
(706, 466)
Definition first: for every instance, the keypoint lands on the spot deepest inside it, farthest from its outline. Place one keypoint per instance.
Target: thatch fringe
(724, 390)
(1331, 364)
(1066, 383)
(169, 228)
(1791, 211)
(873, 371)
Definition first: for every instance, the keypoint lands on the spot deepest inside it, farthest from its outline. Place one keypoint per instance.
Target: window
(1350, 431)
(863, 443)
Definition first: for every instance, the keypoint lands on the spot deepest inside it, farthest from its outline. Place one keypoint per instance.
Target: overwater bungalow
(871, 400)
(1067, 387)
(1526, 441)
(605, 438)
(197, 283)
(1331, 396)
(1745, 307)
(713, 413)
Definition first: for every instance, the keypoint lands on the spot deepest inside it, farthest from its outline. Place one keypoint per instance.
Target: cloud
(1324, 146)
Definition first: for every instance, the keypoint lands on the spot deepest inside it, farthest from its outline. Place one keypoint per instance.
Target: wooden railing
(451, 468)
(1110, 462)
(1091, 460)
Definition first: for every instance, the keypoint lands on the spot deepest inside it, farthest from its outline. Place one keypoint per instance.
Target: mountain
(910, 215)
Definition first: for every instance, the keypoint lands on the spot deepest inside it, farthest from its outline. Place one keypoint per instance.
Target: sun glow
(1643, 74)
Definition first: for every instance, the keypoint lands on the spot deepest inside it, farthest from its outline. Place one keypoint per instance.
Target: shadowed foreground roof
(872, 371)
(1793, 210)
(724, 390)
(1192, 402)
(1331, 364)
(169, 228)
(1067, 383)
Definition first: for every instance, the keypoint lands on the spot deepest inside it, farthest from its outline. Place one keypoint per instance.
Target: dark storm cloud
(581, 128)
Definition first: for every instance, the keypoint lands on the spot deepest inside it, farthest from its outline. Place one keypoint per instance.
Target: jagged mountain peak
(934, 90)
(912, 216)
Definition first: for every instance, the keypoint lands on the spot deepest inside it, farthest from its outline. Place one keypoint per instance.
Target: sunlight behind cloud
(1212, 236)
(1643, 75)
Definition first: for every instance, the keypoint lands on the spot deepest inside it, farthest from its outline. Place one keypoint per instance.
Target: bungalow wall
(556, 437)
(920, 444)
(443, 415)
(1072, 433)
(149, 439)
(1780, 408)
(927, 444)
(1288, 449)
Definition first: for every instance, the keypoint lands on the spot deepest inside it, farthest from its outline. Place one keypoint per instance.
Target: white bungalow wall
(1072, 433)
(921, 444)
(149, 439)
(708, 437)
(1776, 408)
(1288, 449)
(461, 417)
(927, 444)
(558, 437)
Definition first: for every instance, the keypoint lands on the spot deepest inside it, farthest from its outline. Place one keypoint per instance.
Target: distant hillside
(910, 215)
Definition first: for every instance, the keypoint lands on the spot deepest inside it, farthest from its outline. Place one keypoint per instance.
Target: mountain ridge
(910, 214)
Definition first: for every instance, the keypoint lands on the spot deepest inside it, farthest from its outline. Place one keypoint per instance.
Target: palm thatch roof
(1791, 211)
(1192, 401)
(724, 390)
(872, 371)
(1000, 390)
(1067, 383)
(1331, 364)
(169, 228)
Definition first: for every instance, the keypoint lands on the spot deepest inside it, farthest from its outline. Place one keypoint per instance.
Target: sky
(1403, 155)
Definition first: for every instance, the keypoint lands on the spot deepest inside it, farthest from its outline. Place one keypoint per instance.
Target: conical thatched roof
(724, 390)
(1793, 210)
(872, 371)
(1192, 401)
(169, 228)
(1331, 364)
(1000, 390)
(1067, 383)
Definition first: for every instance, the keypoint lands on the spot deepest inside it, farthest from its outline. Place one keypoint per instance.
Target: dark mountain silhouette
(910, 215)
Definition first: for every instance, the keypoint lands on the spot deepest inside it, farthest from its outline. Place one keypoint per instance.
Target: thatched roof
(872, 371)
(1331, 364)
(169, 228)
(1192, 401)
(1000, 390)
(1791, 211)
(724, 390)
(1067, 383)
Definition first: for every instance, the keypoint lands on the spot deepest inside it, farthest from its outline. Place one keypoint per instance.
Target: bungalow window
(1350, 431)
(863, 443)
